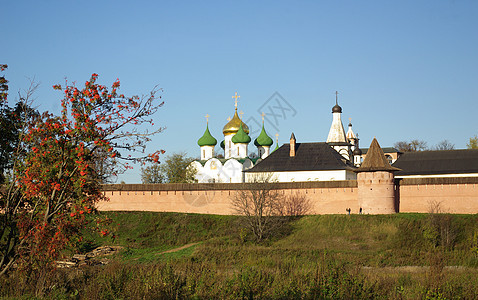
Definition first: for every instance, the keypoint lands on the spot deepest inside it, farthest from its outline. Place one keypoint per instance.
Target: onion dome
(207, 139)
(241, 137)
(223, 145)
(357, 151)
(277, 147)
(263, 139)
(233, 125)
(336, 109)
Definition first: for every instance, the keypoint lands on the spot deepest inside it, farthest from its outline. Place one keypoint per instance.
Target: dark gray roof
(308, 157)
(375, 160)
(437, 162)
(384, 149)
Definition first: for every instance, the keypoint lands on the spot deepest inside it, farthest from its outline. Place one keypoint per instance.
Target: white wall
(309, 175)
(214, 171)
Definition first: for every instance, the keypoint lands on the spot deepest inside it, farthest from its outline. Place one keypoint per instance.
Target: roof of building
(207, 139)
(375, 160)
(336, 109)
(357, 151)
(438, 162)
(263, 139)
(308, 157)
(241, 136)
(233, 125)
(350, 133)
(384, 149)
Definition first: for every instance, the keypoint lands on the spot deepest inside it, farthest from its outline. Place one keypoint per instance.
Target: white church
(335, 159)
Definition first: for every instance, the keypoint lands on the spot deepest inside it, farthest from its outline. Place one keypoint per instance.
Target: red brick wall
(455, 195)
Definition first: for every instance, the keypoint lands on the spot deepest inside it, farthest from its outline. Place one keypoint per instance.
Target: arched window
(389, 158)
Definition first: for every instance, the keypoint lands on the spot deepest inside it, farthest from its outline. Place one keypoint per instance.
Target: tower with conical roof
(351, 137)
(230, 130)
(376, 184)
(337, 138)
(263, 142)
(207, 143)
(353, 140)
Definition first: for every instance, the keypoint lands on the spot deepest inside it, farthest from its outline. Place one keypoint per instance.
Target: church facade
(334, 159)
(229, 166)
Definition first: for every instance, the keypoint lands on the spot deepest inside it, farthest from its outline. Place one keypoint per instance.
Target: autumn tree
(473, 143)
(294, 205)
(444, 145)
(258, 202)
(412, 146)
(55, 181)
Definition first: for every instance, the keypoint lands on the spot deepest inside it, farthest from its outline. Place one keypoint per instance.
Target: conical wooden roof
(375, 160)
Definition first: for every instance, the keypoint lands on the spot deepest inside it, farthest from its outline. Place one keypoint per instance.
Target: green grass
(329, 256)
(383, 240)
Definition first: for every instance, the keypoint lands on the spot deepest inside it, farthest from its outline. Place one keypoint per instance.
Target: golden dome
(232, 127)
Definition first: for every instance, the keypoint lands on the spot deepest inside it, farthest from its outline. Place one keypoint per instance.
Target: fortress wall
(454, 195)
(326, 197)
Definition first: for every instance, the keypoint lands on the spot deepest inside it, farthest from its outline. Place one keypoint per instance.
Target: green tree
(177, 168)
(152, 174)
(11, 121)
(473, 143)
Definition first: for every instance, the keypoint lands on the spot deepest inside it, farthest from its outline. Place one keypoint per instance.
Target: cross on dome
(235, 99)
(263, 115)
(207, 118)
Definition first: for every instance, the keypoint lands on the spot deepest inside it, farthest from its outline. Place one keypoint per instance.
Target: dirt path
(179, 249)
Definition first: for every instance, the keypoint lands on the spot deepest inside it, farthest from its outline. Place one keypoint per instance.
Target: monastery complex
(336, 176)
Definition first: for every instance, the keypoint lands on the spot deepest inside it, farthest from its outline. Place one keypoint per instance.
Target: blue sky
(403, 69)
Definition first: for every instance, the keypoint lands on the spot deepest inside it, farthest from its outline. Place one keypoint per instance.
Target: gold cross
(235, 99)
(241, 113)
(207, 118)
(277, 138)
(263, 115)
(350, 120)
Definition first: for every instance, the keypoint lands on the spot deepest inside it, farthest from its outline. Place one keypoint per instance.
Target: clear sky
(403, 69)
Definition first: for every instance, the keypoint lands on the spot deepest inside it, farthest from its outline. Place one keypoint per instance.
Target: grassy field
(168, 255)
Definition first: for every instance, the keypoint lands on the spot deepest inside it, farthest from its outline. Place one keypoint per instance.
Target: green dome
(277, 147)
(241, 137)
(223, 146)
(207, 139)
(263, 139)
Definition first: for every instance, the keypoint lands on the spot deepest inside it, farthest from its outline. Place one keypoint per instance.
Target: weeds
(324, 257)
